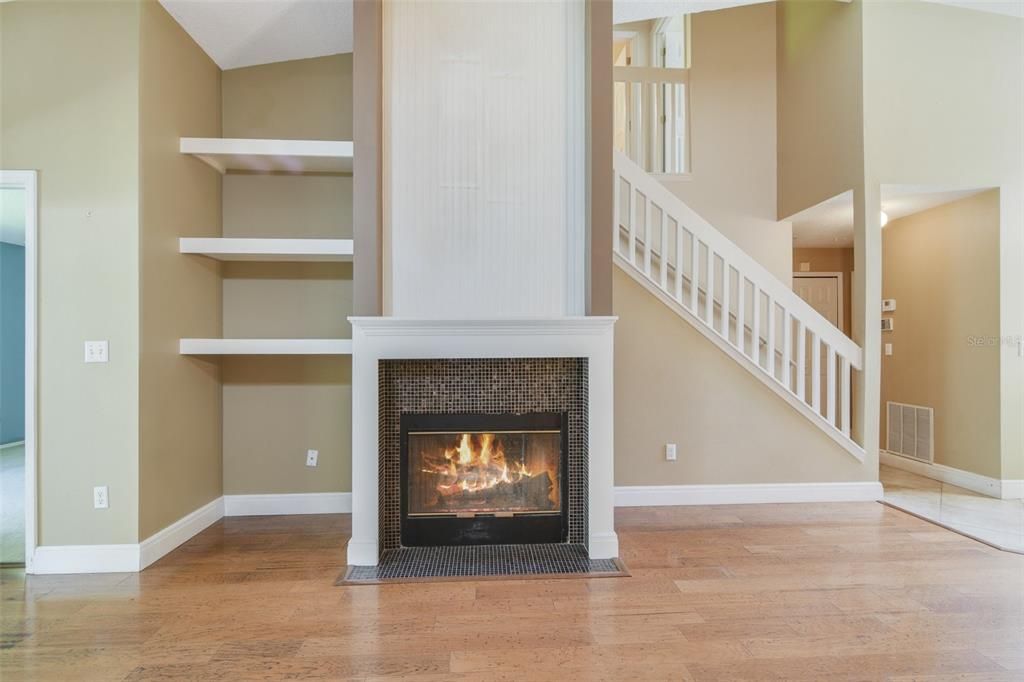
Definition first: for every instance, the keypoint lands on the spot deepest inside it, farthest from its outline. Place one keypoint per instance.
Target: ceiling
(12, 215)
(236, 33)
(830, 223)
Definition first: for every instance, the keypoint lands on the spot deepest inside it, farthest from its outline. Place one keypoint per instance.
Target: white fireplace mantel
(391, 338)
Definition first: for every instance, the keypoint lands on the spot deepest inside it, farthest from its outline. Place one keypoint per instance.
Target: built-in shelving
(295, 156)
(234, 249)
(265, 347)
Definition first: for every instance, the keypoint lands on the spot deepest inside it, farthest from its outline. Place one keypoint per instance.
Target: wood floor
(788, 592)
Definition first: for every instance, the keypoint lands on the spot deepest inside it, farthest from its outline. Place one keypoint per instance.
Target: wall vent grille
(910, 431)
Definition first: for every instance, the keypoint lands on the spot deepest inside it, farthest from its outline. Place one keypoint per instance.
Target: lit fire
(472, 469)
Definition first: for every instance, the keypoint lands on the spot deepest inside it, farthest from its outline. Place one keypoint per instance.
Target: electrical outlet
(311, 457)
(96, 351)
(99, 497)
(670, 452)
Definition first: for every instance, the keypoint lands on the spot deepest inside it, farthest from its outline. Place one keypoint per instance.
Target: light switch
(888, 349)
(888, 305)
(670, 452)
(96, 351)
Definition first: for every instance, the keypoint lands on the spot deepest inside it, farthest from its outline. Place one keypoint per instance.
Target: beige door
(822, 293)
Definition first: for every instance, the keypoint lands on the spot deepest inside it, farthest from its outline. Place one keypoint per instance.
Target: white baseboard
(163, 542)
(1013, 490)
(131, 558)
(281, 504)
(603, 546)
(746, 493)
(127, 558)
(56, 559)
(362, 553)
(986, 485)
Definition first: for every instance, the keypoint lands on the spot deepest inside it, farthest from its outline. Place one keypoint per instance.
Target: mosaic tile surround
(410, 563)
(488, 386)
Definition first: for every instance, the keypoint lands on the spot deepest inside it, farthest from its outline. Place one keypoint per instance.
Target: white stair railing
(733, 299)
(651, 119)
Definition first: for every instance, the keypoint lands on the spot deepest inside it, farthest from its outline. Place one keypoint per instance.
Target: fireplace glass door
(488, 482)
(484, 472)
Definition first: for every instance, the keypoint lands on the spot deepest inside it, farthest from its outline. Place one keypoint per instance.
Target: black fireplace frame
(484, 529)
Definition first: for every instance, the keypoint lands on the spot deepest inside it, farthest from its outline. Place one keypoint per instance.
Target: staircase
(733, 301)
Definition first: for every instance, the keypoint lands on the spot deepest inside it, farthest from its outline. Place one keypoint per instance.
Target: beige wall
(820, 110)
(830, 260)
(180, 465)
(73, 116)
(941, 266)
(275, 408)
(958, 77)
(733, 132)
(673, 386)
(304, 99)
(821, 154)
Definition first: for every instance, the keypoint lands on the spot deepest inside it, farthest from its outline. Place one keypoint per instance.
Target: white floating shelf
(228, 248)
(265, 347)
(296, 156)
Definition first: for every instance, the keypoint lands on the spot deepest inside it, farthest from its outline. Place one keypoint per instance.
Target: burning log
(529, 492)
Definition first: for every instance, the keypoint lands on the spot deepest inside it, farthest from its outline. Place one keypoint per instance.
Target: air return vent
(910, 431)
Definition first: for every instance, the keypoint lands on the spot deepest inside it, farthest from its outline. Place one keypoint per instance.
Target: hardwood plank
(796, 592)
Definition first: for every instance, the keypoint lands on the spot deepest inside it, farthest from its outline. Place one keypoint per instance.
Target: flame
(476, 463)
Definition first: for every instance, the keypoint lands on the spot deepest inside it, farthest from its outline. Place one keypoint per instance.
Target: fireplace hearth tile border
(483, 562)
(481, 385)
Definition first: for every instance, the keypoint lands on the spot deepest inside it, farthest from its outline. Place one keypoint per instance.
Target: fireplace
(513, 368)
(475, 479)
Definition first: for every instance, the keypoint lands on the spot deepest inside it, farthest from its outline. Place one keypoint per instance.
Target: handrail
(792, 341)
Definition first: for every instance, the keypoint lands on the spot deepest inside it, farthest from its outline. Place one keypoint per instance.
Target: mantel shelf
(235, 249)
(290, 156)
(265, 347)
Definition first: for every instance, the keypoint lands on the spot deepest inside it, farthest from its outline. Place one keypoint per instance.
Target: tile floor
(997, 522)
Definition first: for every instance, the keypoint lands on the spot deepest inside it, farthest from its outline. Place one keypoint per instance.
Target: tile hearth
(483, 561)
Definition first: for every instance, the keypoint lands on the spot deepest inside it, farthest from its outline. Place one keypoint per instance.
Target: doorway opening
(17, 367)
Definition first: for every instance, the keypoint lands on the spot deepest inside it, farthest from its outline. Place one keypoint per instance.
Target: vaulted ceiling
(236, 33)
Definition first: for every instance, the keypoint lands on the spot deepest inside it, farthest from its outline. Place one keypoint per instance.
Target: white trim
(746, 493)
(1012, 489)
(223, 154)
(603, 546)
(557, 326)
(839, 278)
(1008, 489)
(131, 558)
(265, 346)
(68, 559)
(287, 503)
(28, 181)
(576, 204)
(184, 529)
(251, 249)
